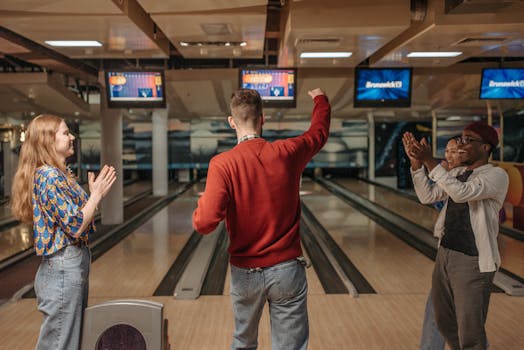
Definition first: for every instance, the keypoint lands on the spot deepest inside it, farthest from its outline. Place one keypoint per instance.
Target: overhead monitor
(382, 87)
(276, 86)
(135, 89)
(502, 83)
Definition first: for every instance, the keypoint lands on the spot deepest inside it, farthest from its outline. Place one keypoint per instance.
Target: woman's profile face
(451, 154)
(64, 141)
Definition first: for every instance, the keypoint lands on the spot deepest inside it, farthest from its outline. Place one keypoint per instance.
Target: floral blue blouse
(57, 216)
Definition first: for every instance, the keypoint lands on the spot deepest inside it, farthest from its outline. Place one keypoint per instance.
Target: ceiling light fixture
(430, 54)
(74, 43)
(325, 54)
(212, 43)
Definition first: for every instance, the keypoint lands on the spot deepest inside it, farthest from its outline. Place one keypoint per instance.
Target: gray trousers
(460, 295)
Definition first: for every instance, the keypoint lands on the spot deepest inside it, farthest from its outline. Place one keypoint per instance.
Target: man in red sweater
(255, 187)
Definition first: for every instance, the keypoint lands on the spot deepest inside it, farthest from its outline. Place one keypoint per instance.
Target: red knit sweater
(255, 187)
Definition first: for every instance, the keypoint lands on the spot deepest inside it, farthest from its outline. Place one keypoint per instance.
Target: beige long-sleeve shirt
(484, 192)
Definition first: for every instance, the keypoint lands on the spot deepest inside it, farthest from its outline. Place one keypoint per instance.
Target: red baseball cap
(486, 132)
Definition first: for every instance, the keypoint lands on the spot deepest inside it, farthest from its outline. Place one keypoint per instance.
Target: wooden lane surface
(405, 207)
(135, 188)
(381, 321)
(15, 239)
(5, 211)
(137, 264)
(511, 250)
(390, 265)
(371, 322)
(20, 237)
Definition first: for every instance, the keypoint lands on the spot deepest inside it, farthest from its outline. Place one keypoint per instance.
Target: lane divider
(415, 235)
(354, 281)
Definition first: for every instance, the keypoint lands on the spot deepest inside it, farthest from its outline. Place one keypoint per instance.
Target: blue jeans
(431, 338)
(284, 286)
(62, 287)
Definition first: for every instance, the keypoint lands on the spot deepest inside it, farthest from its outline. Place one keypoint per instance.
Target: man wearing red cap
(467, 229)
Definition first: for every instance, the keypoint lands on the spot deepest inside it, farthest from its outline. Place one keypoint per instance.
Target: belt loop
(254, 269)
(303, 261)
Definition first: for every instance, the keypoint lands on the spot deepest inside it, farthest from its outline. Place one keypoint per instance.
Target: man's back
(264, 229)
(255, 187)
(257, 184)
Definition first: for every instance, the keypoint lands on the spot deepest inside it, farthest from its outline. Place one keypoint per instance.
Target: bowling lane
(511, 250)
(405, 207)
(147, 254)
(137, 264)
(136, 188)
(5, 211)
(15, 239)
(390, 265)
(20, 237)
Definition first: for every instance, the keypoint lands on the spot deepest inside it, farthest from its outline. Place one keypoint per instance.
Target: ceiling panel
(360, 27)
(378, 33)
(59, 6)
(160, 6)
(119, 36)
(238, 25)
(468, 39)
(473, 34)
(38, 93)
(10, 48)
(202, 93)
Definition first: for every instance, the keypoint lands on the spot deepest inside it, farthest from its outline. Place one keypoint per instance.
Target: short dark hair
(246, 105)
(453, 138)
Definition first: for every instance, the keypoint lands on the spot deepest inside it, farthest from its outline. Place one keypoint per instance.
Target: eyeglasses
(466, 140)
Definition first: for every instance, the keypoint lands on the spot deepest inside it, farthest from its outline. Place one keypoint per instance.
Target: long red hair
(37, 150)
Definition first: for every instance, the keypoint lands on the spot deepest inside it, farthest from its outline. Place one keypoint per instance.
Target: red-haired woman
(47, 195)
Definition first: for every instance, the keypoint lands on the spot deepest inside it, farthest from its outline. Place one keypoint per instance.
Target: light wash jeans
(62, 286)
(431, 338)
(284, 286)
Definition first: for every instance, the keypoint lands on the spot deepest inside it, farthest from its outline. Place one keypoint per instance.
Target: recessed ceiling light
(212, 43)
(429, 54)
(325, 54)
(74, 43)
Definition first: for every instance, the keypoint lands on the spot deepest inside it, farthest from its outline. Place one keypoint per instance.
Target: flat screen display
(139, 89)
(502, 83)
(382, 87)
(276, 86)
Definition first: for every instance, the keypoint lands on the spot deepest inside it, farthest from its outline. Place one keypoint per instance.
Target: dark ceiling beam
(137, 14)
(273, 29)
(82, 70)
(19, 65)
(422, 17)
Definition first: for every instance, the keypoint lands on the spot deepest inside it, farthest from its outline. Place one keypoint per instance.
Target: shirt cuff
(417, 171)
(76, 222)
(437, 173)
